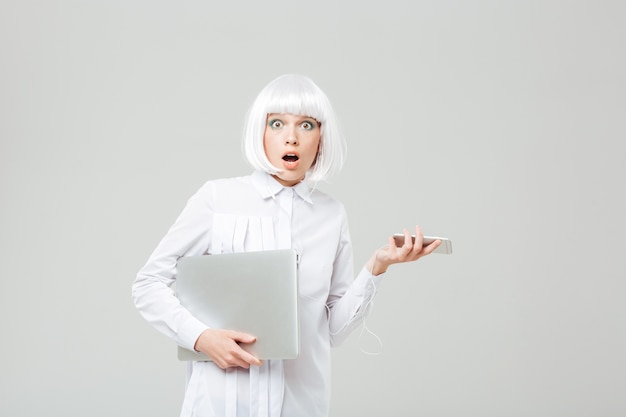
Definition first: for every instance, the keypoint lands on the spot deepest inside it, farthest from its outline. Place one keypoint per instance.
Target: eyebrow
(280, 115)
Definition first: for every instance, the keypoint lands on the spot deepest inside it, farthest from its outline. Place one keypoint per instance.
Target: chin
(294, 178)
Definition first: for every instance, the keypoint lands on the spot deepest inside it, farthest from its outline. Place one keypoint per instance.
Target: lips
(290, 160)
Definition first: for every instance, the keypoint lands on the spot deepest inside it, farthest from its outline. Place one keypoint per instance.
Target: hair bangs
(298, 101)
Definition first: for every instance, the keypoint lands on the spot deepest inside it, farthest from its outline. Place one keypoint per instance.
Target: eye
(275, 124)
(307, 125)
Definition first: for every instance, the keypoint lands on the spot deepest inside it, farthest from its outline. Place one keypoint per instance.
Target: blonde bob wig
(298, 95)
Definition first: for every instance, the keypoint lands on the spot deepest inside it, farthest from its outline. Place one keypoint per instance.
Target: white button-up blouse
(257, 213)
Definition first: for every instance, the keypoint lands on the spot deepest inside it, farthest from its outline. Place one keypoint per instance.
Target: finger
(250, 359)
(241, 337)
(391, 243)
(408, 240)
(416, 248)
(237, 357)
(242, 358)
(419, 237)
(431, 248)
(242, 354)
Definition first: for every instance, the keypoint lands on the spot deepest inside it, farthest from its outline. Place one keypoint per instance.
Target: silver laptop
(251, 292)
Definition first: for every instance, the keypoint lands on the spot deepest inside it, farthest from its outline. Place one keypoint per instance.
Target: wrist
(378, 269)
(375, 267)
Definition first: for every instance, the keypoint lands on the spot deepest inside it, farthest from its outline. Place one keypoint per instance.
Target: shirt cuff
(190, 332)
(367, 282)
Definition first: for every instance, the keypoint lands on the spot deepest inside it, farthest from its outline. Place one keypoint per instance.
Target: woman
(292, 141)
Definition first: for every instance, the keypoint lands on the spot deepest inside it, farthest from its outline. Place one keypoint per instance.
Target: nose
(291, 137)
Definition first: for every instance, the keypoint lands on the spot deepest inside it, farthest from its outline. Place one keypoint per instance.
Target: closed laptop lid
(251, 292)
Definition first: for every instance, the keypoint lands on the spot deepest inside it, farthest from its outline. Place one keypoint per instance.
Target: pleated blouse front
(257, 213)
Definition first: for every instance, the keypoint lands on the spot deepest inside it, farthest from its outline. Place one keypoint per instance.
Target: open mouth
(290, 157)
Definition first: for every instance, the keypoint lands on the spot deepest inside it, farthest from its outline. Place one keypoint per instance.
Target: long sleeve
(350, 299)
(152, 290)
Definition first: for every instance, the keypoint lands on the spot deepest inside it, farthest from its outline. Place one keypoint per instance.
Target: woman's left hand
(409, 251)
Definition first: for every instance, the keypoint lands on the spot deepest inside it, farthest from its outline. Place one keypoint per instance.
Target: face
(291, 143)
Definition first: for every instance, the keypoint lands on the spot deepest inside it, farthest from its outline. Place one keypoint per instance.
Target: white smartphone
(445, 247)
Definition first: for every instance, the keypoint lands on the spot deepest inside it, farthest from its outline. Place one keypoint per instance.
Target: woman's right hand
(222, 346)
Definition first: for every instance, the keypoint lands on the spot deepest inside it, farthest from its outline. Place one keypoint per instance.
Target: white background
(499, 124)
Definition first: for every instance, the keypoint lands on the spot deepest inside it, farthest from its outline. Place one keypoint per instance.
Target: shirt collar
(268, 187)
